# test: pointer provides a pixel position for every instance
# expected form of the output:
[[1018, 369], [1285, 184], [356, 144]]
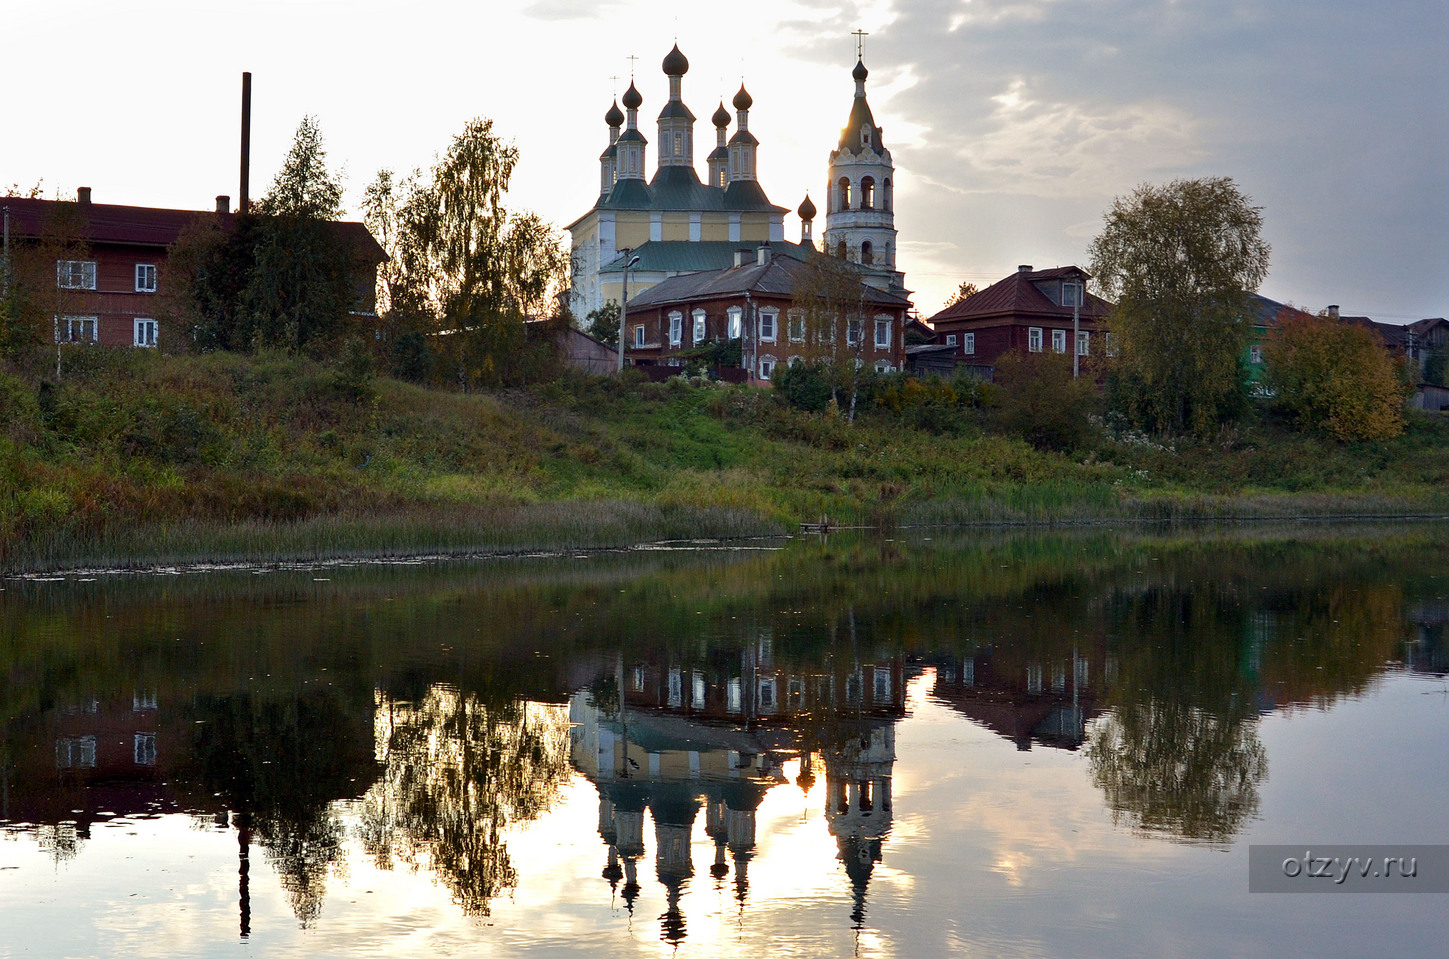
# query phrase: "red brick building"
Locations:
[[754, 302], [110, 264], [1029, 311]]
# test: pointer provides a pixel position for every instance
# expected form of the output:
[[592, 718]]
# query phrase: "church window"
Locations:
[[840, 250], [843, 196], [867, 253], [886, 198], [867, 193], [699, 329], [679, 144], [865, 135]]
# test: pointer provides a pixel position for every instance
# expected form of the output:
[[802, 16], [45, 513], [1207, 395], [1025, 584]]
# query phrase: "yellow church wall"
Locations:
[[714, 230], [630, 234], [676, 230]]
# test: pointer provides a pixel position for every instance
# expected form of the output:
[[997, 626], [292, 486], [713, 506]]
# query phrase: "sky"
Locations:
[[1013, 124]]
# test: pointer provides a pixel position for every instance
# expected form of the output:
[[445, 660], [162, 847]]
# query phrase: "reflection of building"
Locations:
[[694, 737], [1428, 650], [1045, 700]]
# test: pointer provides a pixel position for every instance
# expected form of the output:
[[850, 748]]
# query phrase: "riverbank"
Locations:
[[132, 457]]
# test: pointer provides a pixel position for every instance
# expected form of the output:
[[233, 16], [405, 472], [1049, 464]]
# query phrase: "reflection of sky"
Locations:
[[993, 852]]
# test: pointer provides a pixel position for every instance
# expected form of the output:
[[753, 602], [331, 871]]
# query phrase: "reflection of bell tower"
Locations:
[[858, 804], [674, 808], [742, 799], [621, 825]]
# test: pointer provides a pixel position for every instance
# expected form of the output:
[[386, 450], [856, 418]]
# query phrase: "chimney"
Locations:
[[244, 203], [762, 255], [1024, 268], [83, 195], [1333, 311], [740, 257], [223, 204]]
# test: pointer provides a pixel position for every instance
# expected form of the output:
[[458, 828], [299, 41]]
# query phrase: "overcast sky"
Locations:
[[1013, 123]]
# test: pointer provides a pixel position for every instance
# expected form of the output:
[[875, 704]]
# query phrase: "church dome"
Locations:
[[860, 72], [807, 209], [743, 100], [615, 116], [721, 116], [632, 97], [675, 64]]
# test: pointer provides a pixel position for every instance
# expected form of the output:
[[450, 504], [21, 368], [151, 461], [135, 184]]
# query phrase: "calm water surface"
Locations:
[[977, 745]]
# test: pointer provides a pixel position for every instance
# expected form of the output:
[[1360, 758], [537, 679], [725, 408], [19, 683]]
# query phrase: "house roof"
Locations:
[[144, 225], [777, 277], [1018, 295], [684, 256]]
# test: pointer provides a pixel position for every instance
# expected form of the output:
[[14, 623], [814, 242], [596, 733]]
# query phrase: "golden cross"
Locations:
[[860, 36]]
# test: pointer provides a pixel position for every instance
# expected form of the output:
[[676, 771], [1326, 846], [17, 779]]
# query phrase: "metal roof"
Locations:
[[777, 277]]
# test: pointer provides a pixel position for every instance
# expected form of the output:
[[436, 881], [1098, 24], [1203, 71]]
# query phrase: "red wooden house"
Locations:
[[110, 267], [1029, 311], [754, 302]]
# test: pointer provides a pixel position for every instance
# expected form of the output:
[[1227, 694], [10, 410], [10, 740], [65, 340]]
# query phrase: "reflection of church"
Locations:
[[682, 740]]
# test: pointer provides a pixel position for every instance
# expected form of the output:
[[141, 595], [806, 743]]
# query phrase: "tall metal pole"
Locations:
[[624, 306], [6, 278], [246, 143]]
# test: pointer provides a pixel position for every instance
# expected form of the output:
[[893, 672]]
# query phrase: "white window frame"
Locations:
[[73, 323], [145, 278], [639, 336], [676, 328], [700, 329], [736, 322], [1059, 341], [1033, 339], [75, 274], [968, 344], [883, 332], [769, 325], [75, 752], [951, 339], [144, 332], [767, 367], [143, 749], [882, 366], [1072, 294], [854, 330], [1111, 345], [796, 320], [1084, 343], [1255, 355]]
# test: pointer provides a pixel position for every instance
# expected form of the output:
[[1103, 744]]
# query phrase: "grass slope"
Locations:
[[136, 457]]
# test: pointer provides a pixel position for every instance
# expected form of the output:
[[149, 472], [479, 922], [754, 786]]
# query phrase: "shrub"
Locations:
[[803, 386], [1041, 402]]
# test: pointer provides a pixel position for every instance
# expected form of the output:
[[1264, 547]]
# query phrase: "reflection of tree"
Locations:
[[279, 763], [1168, 767], [458, 772], [1179, 753]]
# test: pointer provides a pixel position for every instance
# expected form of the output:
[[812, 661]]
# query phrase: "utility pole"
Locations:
[[624, 305], [5, 280]]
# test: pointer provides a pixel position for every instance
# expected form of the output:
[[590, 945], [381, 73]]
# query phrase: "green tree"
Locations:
[[1181, 261], [1041, 401], [963, 292], [462, 263], [300, 289], [830, 297], [1336, 378], [603, 323]]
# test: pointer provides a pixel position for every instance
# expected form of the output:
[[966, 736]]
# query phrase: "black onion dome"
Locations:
[[632, 97], [615, 116], [807, 209], [743, 100], [721, 116], [675, 63], [860, 72]]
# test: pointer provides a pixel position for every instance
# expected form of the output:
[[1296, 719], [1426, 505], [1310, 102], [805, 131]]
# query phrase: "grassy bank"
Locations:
[[136, 457]]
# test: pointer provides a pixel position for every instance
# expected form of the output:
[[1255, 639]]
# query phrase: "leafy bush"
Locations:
[[1335, 378], [1041, 401], [803, 386]]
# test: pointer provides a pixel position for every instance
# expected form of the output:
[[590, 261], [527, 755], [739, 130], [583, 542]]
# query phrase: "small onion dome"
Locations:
[[675, 64], [860, 72], [807, 209], [721, 116], [632, 98], [615, 116], [743, 100]]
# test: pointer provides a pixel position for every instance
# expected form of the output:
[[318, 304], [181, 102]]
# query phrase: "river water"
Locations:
[[970, 744]]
